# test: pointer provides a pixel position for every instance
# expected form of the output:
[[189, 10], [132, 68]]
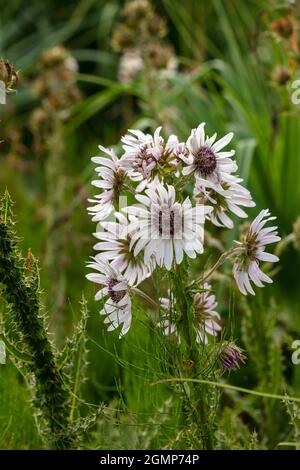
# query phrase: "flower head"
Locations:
[[251, 251], [206, 320], [224, 198], [166, 229], [115, 288], [8, 75], [112, 177], [206, 159], [167, 326], [115, 246], [147, 156], [231, 356]]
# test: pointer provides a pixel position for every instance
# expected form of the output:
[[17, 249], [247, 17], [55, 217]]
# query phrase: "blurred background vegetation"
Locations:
[[87, 73]]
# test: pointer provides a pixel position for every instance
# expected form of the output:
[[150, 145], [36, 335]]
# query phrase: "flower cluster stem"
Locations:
[[199, 403], [221, 260]]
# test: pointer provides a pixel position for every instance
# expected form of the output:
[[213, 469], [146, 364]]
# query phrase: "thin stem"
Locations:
[[284, 243], [145, 296], [198, 403], [231, 387], [225, 256]]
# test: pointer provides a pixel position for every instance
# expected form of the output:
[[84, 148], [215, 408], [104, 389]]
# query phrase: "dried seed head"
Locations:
[[283, 27], [159, 55], [54, 57], [157, 27], [136, 10], [123, 38]]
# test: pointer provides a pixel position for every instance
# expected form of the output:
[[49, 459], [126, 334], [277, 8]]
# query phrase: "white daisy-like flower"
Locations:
[[206, 158], [251, 251], [117, 307], [166, 229], [115, 246], [224, 198], [167, 326], [146, 155], [207, 320], [112, 177]]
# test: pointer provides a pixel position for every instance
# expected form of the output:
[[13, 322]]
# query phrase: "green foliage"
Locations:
[[50, 379], [87, 387]]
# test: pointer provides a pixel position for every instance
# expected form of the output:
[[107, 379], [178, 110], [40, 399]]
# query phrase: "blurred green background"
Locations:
[[231, 64]]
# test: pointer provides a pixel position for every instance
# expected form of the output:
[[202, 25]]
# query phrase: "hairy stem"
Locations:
[[21, 292]]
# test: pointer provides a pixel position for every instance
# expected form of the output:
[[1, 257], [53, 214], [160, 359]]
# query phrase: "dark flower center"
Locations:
[[116, 296], [205, 161]]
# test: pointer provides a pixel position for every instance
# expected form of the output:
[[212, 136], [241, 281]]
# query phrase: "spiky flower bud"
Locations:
[[231, 356]]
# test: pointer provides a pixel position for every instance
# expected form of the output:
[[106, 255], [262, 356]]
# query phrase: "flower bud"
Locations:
[[231, 356], [8, 75]]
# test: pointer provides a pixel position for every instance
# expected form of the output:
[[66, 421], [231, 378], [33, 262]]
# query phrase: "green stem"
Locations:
[[199, 405], [225, 256], [145, 296], [22, 295], [231, 387]]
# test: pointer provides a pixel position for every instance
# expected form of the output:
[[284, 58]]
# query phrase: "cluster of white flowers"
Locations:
[[162, 226]]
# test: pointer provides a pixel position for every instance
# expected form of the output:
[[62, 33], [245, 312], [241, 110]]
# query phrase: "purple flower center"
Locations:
[[205, 161], [116, 296]]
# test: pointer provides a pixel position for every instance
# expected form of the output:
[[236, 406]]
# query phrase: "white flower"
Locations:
[[167, 326], [206, 158], [207, 320], [115, 246], [111, 179], [115, 287], [224, 197], [167, 229], [251, 251], [146, 155]]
